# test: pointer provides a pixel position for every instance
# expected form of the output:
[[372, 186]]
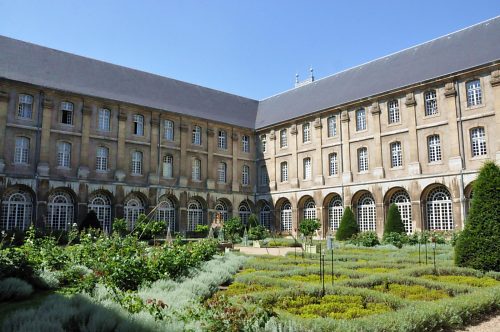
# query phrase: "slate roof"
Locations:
[[467, 48], [25, 62], [462, 50]]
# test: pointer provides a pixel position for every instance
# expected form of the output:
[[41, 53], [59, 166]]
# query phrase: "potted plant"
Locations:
[[307, 228]]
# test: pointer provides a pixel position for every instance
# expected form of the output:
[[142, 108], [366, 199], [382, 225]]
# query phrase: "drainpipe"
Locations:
[[41, 97], [461, 149]]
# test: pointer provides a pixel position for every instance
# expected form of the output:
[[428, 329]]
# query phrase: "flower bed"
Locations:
[[463, 280], [412, 292]]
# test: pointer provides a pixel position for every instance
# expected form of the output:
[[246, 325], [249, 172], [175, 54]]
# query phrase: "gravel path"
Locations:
[[267, 251], [491, 325]]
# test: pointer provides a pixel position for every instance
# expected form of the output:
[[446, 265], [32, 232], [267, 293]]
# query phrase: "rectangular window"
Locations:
[[474, 94], [138, 125], [283, 139], [137, 163], [25, 107], [478, 141], [169, 130], [396, 155], [363, 160], [434, 148], [393, 107], [101, 163], [307, 169], [245, 175], [222, 172], [284, 171], [263, 143], [168, 166], [332, 126], [306, 132], [430, 103], [196, 171], [245, 143], [21, 153], [196, 137], [104, 118], [67, 112], [333, 165], [360, 119], [222, 140], [63, 154]]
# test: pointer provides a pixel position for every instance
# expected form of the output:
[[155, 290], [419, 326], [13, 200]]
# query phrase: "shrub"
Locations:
[[478, 246], [14, 289], [366, 239], [14, 263], [412, 292], [307, 227], [148, 228], [233, 228], [258, 232], [394, 224], [120, 226], [348, 226], [396, 239]]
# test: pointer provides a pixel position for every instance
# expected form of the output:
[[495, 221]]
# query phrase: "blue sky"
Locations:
[[250, 48]]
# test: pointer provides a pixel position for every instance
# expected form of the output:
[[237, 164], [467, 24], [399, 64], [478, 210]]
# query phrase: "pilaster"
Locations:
[[271, 166], [495, 88], [236, 151], [83, 169], [121, 156], [294, 162], [451, 141], [184, 163], [4, 104], [414, 162], [378, 170], [153, 159], [319, 179], [211, 175], [43, 168], [346, 151]]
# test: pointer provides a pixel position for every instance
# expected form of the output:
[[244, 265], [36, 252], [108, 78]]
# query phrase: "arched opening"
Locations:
[[286, 217], [100, 203], [17, 206], [60, 208], [195, 214], [401, 198], [221, 209], [439, 209], [134, 206], [166, 212], [335, 212], [244, 212], [366, 212]]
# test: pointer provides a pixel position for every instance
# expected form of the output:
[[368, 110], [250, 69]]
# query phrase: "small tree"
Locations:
[[348, 226], [307, 227], [394, 224], [233, 229], [253, 221], [478, 246]]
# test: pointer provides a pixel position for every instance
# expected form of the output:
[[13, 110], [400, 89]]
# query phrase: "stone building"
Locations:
[[411, 128]]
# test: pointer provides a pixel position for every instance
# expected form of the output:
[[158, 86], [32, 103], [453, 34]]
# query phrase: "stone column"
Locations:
[[495, 84], [414, 164], [82, 202], [184, 163], [271, 165], [153, 157], [236, 170], [319, 179], [452, 141], [83, 169], [346, 151], [43, 165], [293, 167], [211, 169], [4, 103], [378, 169], [121, 156]]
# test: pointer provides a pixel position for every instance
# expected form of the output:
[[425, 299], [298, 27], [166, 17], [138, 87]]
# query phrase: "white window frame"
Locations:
[[478, 141], [284, 171], [244, 213], [136, 167], [396, 154], [64, 154], [67, 113], [222, 172], [104, 119], [132, 208], [366, 211], [434, 148], [22, 150], [245, 175], [439, 210], [60, 211], [474, 93], [307, 166], [101, 159], [263, 143], [265, 216], [431, 106], [222, 210], [196, 170], [403, 202], [138, 121], [195, 215], [169, 130], [335, 212], [310, 209], [393, 111], [168, 166], [283, 139], [333, 168], [196, 135], [306, 132], [363, 159], [101, 205], [286, 217], [17, 208], [360, 119], [332, 126], [25, 106], [245, 143], [166, 213], [222, 140]]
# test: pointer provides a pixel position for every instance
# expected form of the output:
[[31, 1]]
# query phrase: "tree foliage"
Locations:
[[307, 227], [478, 246], [394, 223], [348, 226], [233, 229]]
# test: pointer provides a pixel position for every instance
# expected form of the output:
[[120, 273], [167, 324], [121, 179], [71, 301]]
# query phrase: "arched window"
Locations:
[[67, 112], [63, 154], [403, 202], [335, 211], [101, 205], [284, 171], [195, 215], [16, 210], [434, 148], [25, 106], [221, 209], [430, 98], [396, 155], [360, 119], [60, 211], [196, 170], [478, 141], [393, 111], [474, 94], [245, 175], [138, 128], [307, 168], [196, 137], [168, 166], [132, 209], [221, 172], [286, 217], [265, 216], [137, 162], [362, 159], [104, 119], [439, 210], [310, 209], [306, 132], [166, 212], [366, 213], [333, 168], [244, 211], [22, 150], [101, 160]]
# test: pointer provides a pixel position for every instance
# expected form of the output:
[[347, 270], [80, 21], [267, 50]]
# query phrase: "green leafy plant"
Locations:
[[478, 245], [396, 239], [348, 226], [258, 232], [308, 227], [120, 226], [365, 239], [394, 223], [233, 229]]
